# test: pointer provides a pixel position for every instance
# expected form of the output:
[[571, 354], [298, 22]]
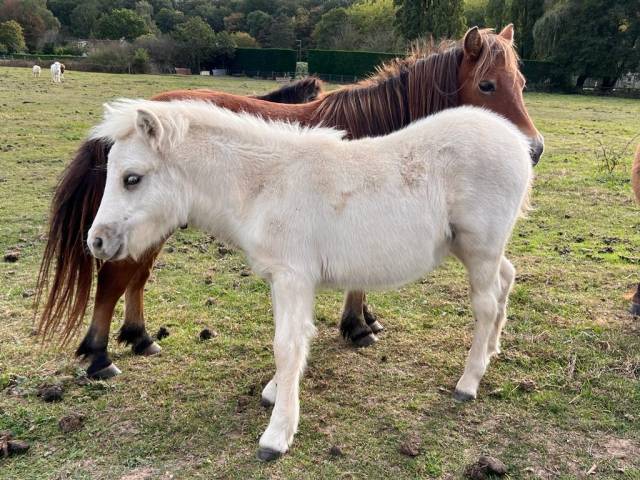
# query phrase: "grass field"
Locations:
[[562, 400]]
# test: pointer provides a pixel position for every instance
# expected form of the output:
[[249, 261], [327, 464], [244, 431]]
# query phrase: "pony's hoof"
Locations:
[[635, 309], [152, 349], [268, 454], [266, 402], [376, 326], [107, 372], [460, 396], [365, 341]]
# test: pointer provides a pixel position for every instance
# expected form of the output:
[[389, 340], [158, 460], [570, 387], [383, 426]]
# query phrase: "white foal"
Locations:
[[306, 207], [36, 71], [56, 72]]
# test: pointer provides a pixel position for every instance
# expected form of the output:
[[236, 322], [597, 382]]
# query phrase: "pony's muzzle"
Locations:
[[536, 148], [105, 242]]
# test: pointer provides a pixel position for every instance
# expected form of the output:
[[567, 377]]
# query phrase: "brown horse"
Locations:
[[302, 91], [480, 70], [635, 184]]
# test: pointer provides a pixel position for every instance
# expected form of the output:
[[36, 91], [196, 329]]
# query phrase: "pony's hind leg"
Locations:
[[358, 325], [293, 313], [507, 277], [133, 331], [112, 282]]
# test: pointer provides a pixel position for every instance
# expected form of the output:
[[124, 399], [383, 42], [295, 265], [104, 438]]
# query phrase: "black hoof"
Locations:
[[152, 349], [635, 309], [372, 321], [460, 396], [268, 454], [105, 373], [364, 341], [376, 326], [265, 402]]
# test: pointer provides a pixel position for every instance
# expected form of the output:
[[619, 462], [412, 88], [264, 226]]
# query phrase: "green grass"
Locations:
[[194, 411]]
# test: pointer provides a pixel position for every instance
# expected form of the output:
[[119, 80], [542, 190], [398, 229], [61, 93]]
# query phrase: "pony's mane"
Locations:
[[300, 91], [178, 116], [395, 96]]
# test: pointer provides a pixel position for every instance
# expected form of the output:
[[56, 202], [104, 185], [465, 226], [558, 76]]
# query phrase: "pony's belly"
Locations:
[[392, 268]]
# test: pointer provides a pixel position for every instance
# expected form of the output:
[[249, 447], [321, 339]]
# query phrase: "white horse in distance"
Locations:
[[35, 71], [307, 207], [57, 72]]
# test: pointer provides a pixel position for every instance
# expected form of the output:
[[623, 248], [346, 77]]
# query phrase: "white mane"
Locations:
[[178, 116]]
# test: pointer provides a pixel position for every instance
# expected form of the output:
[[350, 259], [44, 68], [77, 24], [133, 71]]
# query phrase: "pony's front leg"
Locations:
[[133, 331], [485, 292], [112, 282], [293, 313]]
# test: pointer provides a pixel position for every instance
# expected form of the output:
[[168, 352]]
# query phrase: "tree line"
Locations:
[[589, 38]]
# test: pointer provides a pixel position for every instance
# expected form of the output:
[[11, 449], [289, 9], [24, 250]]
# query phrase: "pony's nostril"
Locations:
[[97, 243]]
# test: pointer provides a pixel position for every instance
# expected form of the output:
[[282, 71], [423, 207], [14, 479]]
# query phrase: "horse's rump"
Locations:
[[635, 174]]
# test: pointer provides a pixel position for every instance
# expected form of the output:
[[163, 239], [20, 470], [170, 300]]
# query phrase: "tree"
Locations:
[[282, 34], [62, 9], [12, 37], [329, 27], [224, 48], [196, 39], [121, 23], [474, 12], [234, 22], [524, 15], [32, 15], [84, 18], [259, 25], [497, 14], [243, 39], [374, 23], [436, 18], [603, 45], [167, 19]]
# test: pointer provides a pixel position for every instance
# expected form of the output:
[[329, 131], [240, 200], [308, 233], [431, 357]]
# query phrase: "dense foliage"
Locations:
[[588, 38]]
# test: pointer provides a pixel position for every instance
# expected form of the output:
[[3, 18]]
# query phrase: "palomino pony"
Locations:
[[305, 206], [480, 70]]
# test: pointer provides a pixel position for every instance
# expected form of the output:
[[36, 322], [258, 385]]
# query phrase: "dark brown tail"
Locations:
[[75, 204], [300, 91]]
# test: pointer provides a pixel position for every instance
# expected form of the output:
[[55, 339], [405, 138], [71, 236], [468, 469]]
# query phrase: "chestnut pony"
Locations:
[[480, 70]]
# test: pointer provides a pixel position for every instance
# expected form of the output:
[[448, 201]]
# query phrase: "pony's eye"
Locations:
[[487, 86], [131, 181]]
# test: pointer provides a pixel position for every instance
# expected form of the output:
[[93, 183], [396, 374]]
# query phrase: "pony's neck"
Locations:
[[403, 92], [227, 168]]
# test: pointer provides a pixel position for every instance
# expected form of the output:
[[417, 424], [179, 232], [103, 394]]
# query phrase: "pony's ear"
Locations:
[[149, 126], [472, 43], [507, 33]]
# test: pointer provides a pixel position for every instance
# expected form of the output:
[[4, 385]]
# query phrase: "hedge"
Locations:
[[43, 56], [254, 60], [545, 74], [340, 62]]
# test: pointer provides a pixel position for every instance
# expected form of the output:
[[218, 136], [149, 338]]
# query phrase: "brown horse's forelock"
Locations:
[[300, 91], [74, 206], [401, 92]]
